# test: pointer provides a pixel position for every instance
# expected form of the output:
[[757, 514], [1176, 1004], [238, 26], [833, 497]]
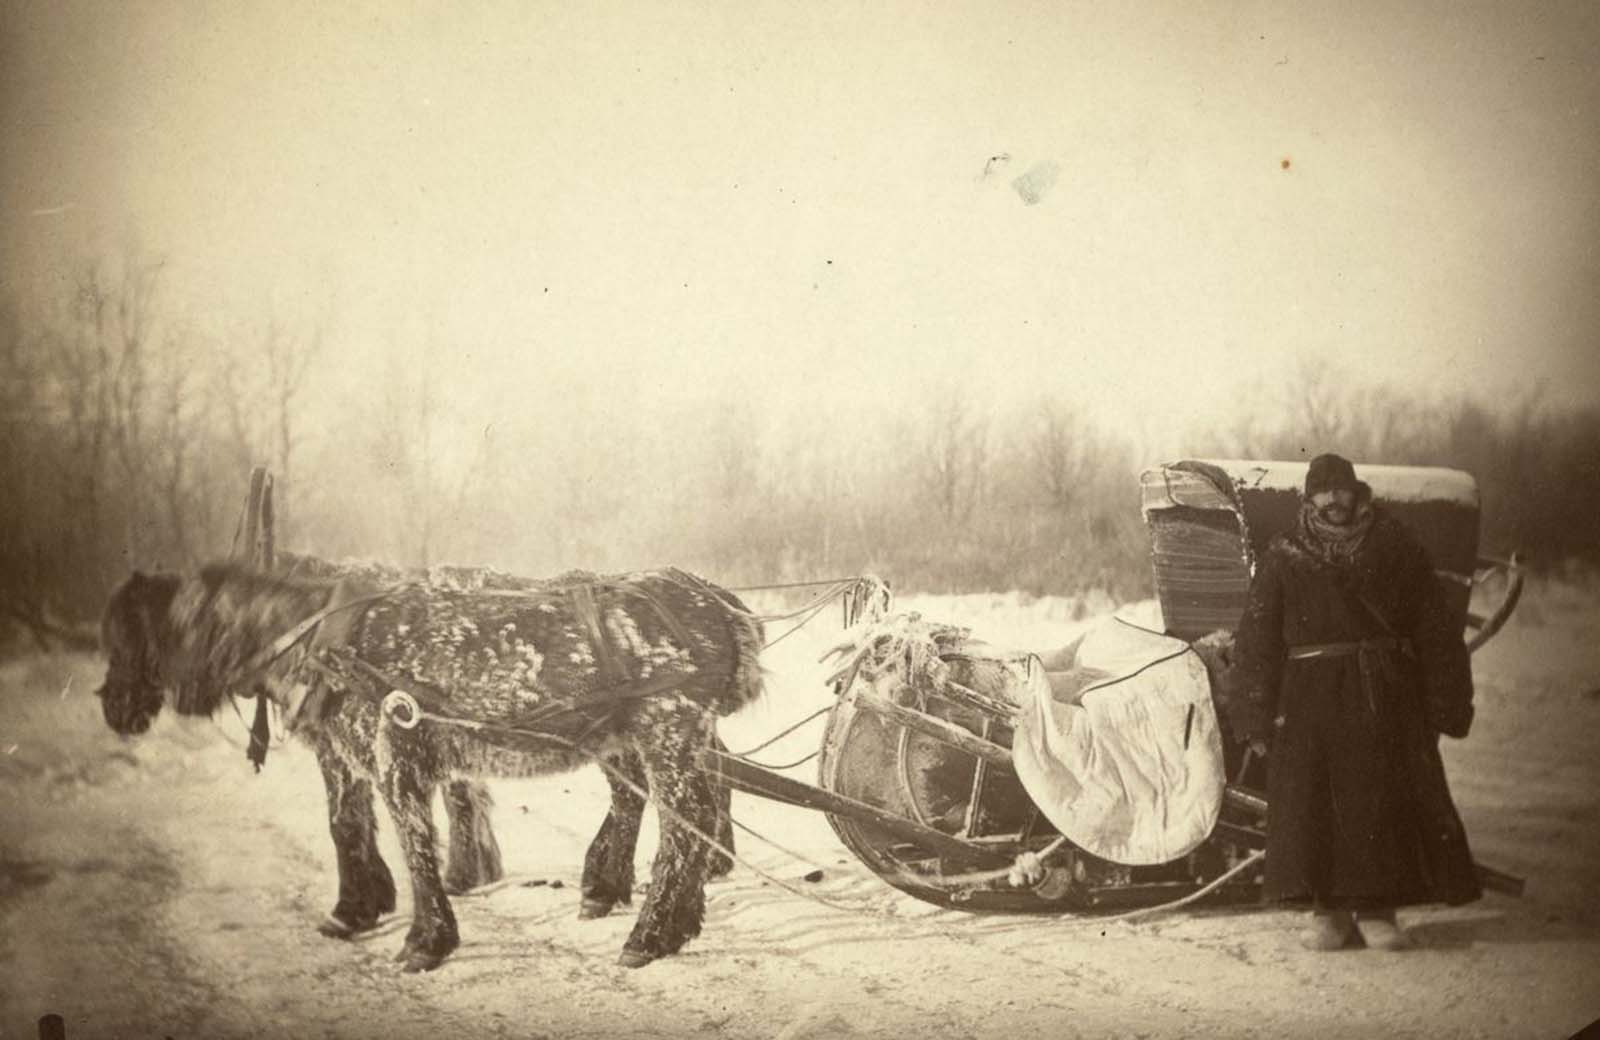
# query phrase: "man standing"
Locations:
[[1350, 666]]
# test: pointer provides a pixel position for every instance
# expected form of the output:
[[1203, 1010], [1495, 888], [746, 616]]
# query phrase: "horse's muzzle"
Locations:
[[128, 720]]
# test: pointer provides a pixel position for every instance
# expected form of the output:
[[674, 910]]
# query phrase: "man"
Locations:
[[1350, 665]]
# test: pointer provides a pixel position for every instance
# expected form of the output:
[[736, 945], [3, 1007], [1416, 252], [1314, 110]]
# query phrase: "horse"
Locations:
[[630, 671], [366, 888]]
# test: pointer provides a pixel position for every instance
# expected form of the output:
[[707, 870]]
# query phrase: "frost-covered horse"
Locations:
[[546, 679], [366, 888]]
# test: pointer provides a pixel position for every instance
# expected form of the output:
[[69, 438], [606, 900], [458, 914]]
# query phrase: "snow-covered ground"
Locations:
[[155, 887]]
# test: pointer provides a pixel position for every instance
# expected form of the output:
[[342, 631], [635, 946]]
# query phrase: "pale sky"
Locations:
[[635, 203]]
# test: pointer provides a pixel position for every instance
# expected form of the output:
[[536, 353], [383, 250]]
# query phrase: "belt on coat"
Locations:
[[1373, 655], [1305, 650]]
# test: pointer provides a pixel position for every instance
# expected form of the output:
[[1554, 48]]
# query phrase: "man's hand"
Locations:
[[1258, 747]]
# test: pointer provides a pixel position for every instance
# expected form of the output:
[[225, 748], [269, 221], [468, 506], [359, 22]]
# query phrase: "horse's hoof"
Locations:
[[590, 909], [337, 928], [419, 961], [635, 958]]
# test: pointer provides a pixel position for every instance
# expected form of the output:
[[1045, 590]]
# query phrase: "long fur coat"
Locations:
[[1360, 815]]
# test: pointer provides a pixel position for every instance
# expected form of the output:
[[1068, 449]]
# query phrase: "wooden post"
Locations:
[[52, 1027], [265, 557], [249, 532], [255, 542]]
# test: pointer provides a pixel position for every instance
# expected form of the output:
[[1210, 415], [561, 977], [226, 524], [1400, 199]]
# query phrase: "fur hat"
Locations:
[[1332, 473]]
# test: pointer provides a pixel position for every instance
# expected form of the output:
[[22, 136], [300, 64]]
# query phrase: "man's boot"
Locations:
[[1380, 931], [1329, 930]]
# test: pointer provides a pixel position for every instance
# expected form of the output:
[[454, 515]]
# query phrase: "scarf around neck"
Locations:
[[1335, 543]]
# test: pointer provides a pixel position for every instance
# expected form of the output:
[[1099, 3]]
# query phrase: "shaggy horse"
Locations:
[[366, 888], [539, 680]]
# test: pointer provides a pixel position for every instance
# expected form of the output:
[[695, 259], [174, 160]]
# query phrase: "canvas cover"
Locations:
[[1119, 745]]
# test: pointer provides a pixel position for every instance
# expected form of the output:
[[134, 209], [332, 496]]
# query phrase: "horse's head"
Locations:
[[221, 622], [211, 619], [136, 637]]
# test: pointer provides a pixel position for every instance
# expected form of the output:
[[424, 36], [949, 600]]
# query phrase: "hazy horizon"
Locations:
[[645, 205]]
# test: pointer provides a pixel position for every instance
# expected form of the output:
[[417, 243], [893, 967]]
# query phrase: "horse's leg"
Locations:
[[366, 888], [673, 911], [720, 864], [408, 791], [474, 854], [608, 865]]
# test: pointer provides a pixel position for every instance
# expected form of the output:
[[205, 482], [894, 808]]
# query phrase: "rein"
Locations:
[[248, 673], [268, 656]]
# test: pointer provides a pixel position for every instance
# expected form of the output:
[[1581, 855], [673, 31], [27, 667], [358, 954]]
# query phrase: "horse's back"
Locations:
[[507, 654]]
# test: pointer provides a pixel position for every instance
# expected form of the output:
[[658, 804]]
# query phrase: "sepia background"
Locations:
[[778, 292], [774, 292]]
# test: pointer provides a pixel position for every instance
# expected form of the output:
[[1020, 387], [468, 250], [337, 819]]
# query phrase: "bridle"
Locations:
[[254, 670]]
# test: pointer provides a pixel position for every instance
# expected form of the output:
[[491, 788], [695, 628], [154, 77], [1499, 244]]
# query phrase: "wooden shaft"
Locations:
[[952, 690], [938, 729], [1249, 800], [763, 783], [1499, 881]]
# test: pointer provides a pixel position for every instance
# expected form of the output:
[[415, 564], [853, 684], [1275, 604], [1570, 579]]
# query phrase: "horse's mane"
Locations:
[[224, 616]]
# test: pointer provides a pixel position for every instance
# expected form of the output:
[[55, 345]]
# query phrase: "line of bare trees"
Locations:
[[1537, 467], [123, 429], [127, 434]]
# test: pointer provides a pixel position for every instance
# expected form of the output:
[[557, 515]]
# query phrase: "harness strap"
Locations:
[[603, 700], [284, 643], [253, 670], [584, 605], [667, 617]]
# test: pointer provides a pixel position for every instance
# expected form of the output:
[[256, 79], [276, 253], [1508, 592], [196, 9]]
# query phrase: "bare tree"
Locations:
[[1060, 447], [953, 450], [289, 363], [1317, 409], [179, 420], [261, 388], [429, 484], [100, 377]]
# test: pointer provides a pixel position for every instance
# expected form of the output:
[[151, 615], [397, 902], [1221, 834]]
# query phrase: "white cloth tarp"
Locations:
[[1124, 754]]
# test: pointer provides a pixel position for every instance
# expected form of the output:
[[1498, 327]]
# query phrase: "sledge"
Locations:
[[938, 745]]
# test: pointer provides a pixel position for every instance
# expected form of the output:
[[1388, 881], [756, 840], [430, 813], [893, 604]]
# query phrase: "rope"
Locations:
[[757, 835], [1238, 868], [980, 876], [773, 740], [418, 714], [794, 585], [812, 608], [801, 624], [787, 765], [665, 810]]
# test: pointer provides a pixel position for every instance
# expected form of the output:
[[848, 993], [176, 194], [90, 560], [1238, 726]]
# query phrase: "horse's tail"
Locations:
[[749, 637], [746, 637]]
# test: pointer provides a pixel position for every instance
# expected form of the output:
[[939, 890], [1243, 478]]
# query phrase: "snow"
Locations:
[[157, 887]]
